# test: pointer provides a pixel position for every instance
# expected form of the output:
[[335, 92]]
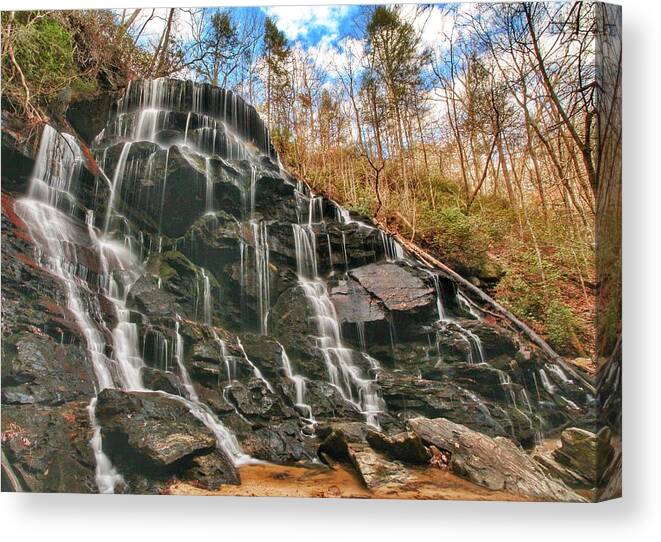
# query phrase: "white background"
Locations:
[[635, 517]]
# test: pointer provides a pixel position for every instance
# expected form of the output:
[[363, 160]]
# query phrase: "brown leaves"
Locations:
[[440, 458]]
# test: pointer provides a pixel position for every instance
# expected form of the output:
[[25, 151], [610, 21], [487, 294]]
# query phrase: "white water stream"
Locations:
[[342, 371], [63, 244]]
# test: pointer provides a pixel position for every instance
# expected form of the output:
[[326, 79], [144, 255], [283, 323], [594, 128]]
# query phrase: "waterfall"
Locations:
[[222, 348], [475, 350], [102, 261], [546, 382], [256, 371], [299, 385], [206, 297], [262, 270], [49, 212], [253, 189], [106, 476], [343, 373], [208, 186], [179, 360], [117, 178], [218, 120], [160, 347], [391, 248]]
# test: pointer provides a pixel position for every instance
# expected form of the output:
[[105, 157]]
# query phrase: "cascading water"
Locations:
[[262, 270], [340, 366], [475, 352], [299, 384], [56, 234], [58, 222], [233, 264], [256, 371], [179, 360]]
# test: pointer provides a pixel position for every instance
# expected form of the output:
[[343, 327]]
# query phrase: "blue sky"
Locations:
[[312, 24]]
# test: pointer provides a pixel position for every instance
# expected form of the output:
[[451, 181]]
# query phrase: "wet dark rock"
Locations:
[[147, 297], [354, 304], [397, 287], [280, 441], [265, 353], [292, 323], [158, 380], [209, 373], [270, 191], [36, 369], [156, 196], [89, 115], [157, 428], [482, 378], [328, 403], [407, 397], [17, 162], [253, 399], [338, 436], [495, 463], [452, 345], [48, 447], [495, 341], [212, 470]]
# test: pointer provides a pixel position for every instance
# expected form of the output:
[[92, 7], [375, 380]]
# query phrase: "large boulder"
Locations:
[[496, 463], [158, 380], [254, 399], [397, 287], [375, 470], [37, 369], [158, 428], [354, 304], [89, 115], [338, 436], [408, 396]]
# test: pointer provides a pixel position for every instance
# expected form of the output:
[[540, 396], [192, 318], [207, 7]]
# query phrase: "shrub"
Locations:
[[462, 240], [560, 325]]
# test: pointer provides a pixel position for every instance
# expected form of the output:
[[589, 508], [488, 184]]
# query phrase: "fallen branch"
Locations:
[[497, 307]]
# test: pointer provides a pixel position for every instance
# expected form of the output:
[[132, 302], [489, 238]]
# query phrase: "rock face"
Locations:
[[496, 463], [224, 283], [398, 288], [354, 304]]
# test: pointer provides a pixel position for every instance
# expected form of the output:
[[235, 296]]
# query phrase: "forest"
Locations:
[[470, 131]]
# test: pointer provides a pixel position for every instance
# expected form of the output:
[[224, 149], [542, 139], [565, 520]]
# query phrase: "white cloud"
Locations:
[[297, 21], [433, 25]]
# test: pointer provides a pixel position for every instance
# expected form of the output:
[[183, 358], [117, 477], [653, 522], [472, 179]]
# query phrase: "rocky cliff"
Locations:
[[175, 305]]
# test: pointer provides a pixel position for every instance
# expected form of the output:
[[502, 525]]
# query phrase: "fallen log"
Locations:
[[474, 291]]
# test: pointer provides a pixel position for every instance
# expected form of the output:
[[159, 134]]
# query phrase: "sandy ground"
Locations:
[[268, 480]]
